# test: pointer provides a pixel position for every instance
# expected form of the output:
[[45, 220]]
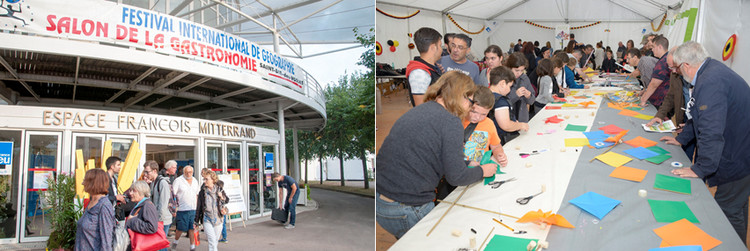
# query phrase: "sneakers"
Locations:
[[289, 226], [224, 241]]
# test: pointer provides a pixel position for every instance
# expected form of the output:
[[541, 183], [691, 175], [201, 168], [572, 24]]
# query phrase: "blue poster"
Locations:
[[6, 158], [269, 161]]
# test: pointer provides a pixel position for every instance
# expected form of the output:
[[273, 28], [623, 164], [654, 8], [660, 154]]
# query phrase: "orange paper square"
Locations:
[[614, 106], [629, 173], [641, 141], [683, 233], [630, 113]]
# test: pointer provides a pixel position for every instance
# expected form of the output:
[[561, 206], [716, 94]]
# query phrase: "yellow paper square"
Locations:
[[614, 159], [570, 105], [576, 142], [643, 116]]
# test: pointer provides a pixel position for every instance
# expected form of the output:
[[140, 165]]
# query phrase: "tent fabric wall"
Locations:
[[722, 19]]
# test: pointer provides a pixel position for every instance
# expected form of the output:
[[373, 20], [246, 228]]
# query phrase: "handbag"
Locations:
[[121, 240], [148, 242]]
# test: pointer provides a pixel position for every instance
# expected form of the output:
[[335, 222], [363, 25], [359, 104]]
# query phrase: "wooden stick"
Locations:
[[481, 209], [485, 238], [506, 226], [449, 209]]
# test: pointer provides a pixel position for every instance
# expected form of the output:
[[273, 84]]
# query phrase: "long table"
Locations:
[[566, 173]]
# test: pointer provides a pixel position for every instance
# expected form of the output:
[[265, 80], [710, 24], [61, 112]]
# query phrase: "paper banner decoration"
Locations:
[[462, 28], [613, 159], [397, 17], [378, 49], [729, 47], [538, 217], [671, 211], [672, 184], [641, 142], [641, 153], [559, 99], [392, 48], [595, 204], [629, 173], [611, 129], [683, 232]]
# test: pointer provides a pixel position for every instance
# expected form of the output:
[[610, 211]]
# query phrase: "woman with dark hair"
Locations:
[[549, 45], [493, 57], [521, 95], [528, 51], [571, 46], [608, 65], [630, 45], [425, 144], [547, 70], [96, 225]]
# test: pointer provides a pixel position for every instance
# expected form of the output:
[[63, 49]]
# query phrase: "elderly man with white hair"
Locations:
[[186, 189], [718, 119]]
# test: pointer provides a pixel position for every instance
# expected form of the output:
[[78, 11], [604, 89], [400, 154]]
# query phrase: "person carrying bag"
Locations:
[[145, 230]]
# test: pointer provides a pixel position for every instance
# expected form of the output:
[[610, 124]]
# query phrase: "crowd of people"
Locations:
[[156, 201], [438, 144]]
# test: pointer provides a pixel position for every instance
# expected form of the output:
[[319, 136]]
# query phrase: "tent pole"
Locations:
[[701, 21]]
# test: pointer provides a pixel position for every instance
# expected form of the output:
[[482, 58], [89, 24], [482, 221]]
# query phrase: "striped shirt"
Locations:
[[646, 67]]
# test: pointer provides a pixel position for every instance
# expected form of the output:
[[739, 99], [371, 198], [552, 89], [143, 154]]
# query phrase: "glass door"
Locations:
[[234, 158], [91, 146], [214, 157], [42, 162], [10, 171], [255, 175], [270, 190]]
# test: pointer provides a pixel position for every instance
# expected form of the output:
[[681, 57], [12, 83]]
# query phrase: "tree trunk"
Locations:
[[321, 170], [305, 171], [341, 166], [364, 170]]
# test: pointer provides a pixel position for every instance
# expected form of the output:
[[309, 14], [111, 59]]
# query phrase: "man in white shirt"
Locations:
[[186, 190]]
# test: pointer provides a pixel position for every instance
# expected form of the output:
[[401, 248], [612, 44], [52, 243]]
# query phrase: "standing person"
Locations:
[[144, 218], [424, 145], [422, 71], [457, 61], [645, 65], [537, 50], [161, 193], [292, 194], [518, 46], [95, 227], [659, 85], [169, 171], [543, 53], [520, 96], [547, 70], [186, 189], [599, 55], [210, 209], [113, 164], [446, 42], [621, 50], [717, 119], [528, 52], [493, 57], [223, 238]]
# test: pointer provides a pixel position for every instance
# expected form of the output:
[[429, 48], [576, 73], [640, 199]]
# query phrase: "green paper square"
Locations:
[[658, 150], [487, 180], [577, 128], [658, 159], [558, 102], [674, 184], [634, 108], [671, 211], [502, 242]]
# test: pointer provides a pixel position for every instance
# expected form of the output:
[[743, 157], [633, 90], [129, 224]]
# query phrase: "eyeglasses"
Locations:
[[674, 69], [471, 101], [457, 47]]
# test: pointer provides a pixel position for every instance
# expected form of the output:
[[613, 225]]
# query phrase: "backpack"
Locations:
[[174, 202]]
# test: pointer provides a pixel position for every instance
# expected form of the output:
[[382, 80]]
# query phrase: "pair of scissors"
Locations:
[[496, 184], [525, 200]]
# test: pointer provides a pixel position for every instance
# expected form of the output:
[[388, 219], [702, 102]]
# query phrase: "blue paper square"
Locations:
[[641, 153], [600, 143], [595, 204], [679, 248], [596, 135]]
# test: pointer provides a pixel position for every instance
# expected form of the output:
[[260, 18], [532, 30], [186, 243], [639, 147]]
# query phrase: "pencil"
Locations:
[[506, 226]]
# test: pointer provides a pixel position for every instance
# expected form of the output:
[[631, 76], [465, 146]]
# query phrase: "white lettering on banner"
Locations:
[[93, 20]]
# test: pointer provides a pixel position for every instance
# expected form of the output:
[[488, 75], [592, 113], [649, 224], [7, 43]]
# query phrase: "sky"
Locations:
[[329, 67]]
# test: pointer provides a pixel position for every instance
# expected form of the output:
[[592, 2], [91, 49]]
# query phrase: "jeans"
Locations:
[[732, 198], [292, 207], [166, 232], [224, 230], [398, 218], [212, 233]]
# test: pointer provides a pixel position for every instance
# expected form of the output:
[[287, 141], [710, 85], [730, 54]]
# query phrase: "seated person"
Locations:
[[608, 65], [569, 78], [501, 80], [481, 132]]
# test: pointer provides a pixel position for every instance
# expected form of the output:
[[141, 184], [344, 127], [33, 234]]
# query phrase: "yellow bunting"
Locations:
[[462, 28], [664, 18], [397, 17]]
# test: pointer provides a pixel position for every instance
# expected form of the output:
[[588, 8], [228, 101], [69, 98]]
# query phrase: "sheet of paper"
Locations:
[[587, 103], [658, 159], [671, 211], [629, 173], [596, 204], [502, 242], [683, 232], [613, 159], [634, 108], [600, 143], [667, 126], [596, 135], [549, 107], [611, 129], [614, 106], [628, 113], [658, 150], [679, 248], [643, 116], [569, 105], [576, 142], [673, 184], [641, 153], [577, 128], [553, 119], [641, 141]]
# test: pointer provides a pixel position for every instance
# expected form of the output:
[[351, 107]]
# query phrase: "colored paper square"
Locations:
[[549, 107], [629, 113], [614, 106], [629, 173], [611, 129], [658, 159], [679, 248], [658, 150], [641, 142], [643, 116], [576, 142], [641, 153], [614, 159], [595, 135], [502, 242], [570, 105], [673, 184], [553, 119], [577, 128], [683, 232], [634, 108], [587, 103], [596, 204], [600, 143], [671, 211]]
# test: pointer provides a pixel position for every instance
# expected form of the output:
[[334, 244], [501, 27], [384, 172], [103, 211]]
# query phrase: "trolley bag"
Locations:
[[279, 215]]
